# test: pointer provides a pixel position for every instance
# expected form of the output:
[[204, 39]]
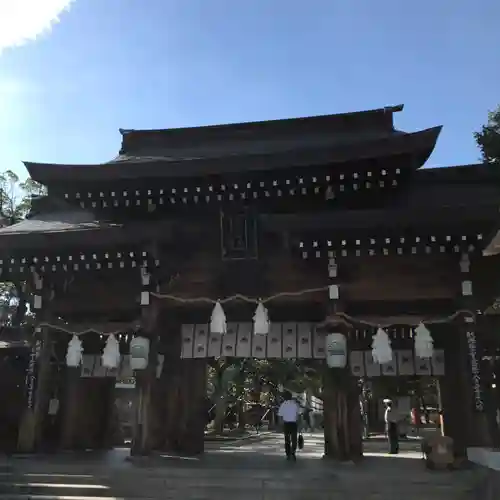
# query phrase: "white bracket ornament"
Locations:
[[465, 263], [332, 268], [37, 280], [145, 276]]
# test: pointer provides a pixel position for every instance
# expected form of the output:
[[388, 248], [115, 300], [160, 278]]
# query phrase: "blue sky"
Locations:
[[169, 63]]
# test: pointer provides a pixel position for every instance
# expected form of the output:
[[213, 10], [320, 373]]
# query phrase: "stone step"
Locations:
[[296, 481], [58, 497], [217, 494], [61, 489], [218, 489]]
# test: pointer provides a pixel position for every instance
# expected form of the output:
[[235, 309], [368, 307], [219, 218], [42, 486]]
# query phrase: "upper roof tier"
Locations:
[[254, 146]]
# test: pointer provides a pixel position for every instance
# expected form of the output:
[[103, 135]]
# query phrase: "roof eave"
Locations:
[[421, 144], [493, 247], [102, 236]]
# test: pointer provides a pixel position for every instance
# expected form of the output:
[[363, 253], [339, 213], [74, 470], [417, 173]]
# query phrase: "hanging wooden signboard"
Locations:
[[30, 381]]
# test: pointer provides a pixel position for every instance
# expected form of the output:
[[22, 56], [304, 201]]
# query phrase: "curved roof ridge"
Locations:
[[223, 126]]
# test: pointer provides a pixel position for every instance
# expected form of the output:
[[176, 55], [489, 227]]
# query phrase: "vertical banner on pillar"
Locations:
[[475, 366], [31, 379]]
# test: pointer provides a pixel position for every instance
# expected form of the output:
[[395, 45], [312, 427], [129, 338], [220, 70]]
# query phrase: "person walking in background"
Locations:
[[306, 417], [289, 412], [391, 426]]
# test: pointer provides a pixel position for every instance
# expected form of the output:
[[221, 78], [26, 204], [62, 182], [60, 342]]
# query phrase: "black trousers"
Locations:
[[393, 437], [290, 429]]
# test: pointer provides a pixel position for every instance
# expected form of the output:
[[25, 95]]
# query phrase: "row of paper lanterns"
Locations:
[[381, 343]]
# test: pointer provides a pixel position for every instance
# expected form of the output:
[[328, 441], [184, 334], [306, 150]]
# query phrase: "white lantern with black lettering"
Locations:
[[336, 350], [139, 353]]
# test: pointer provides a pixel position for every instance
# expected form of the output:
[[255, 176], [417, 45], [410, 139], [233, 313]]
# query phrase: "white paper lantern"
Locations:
[[381, 347], [336, 350], [139, 353], [424, 345], [74, 352]]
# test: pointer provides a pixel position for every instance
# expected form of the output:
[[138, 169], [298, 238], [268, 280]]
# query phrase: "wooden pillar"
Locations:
[[38, 377], [171, 386], [71, 407], [488, 378], [183, 387], [469, 356], [192, 418], [453, 400], [142, 441], [37, 398], [342, 416]]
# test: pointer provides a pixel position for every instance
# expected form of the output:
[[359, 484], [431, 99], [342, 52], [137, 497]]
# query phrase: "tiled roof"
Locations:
[[158, 149], [212, 159], [57, 223], [75, 220]]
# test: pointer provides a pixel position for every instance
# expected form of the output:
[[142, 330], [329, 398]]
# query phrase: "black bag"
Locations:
[[300, 442]]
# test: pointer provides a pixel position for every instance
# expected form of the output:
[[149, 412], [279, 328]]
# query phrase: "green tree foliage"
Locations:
[[488, 138], [234, 381], [15, 203]]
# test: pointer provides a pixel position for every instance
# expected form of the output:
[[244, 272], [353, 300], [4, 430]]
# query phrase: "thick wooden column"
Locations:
[[142, 441], [38, 378], [170, 388], [71, 407], [143, 438], [192, 419], [183, 387], [342, 416], [453, 400], [37, 398], [469, 354]]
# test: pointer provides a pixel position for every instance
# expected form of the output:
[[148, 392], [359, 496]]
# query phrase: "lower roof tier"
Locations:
[[334, 152], [459, 199]]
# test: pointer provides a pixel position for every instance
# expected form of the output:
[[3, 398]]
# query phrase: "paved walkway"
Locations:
[[255, 469]]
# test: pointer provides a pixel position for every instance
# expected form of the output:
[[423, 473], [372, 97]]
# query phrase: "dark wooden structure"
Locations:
[[257, 209]]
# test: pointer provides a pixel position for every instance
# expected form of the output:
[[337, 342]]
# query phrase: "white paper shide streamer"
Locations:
[[74, 352], [381, 347], [261, 323], [218, 320], [424, 345], [111, 353]]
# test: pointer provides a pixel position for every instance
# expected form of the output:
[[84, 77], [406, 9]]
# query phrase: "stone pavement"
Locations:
[[236, 471]]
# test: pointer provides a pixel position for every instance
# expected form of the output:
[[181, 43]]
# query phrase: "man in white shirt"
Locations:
[[289, 412], [391, 425]]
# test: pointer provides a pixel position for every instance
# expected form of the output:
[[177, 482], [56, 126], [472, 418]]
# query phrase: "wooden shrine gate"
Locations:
[[320, 217]]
